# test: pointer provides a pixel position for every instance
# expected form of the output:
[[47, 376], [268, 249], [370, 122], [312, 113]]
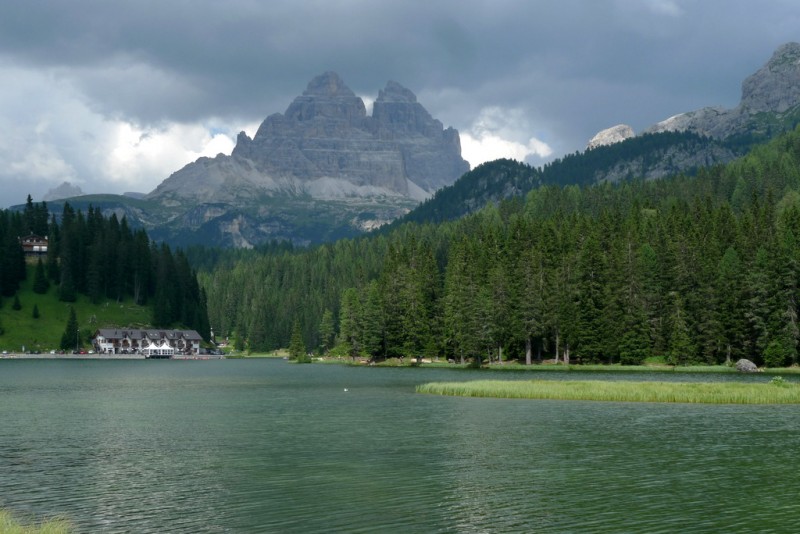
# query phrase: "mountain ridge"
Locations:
[[326, 146]]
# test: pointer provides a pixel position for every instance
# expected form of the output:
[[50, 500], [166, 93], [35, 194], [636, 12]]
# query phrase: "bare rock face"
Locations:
[[770, 99], [776, 86], [325, 146], [612, 135]]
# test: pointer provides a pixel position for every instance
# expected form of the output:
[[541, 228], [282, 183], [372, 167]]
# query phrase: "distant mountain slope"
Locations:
[[651, 155]]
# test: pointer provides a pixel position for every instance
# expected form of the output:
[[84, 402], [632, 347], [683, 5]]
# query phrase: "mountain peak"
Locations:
[[775, 86], [328, 84], [323, 149], [394, 92], [609, 136], [65, 190]]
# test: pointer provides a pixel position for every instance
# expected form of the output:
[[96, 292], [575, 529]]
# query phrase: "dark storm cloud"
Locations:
[[181, 60], [564, 68]]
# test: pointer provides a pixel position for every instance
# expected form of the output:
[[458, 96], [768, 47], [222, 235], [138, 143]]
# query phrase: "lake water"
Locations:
[[267, 446]]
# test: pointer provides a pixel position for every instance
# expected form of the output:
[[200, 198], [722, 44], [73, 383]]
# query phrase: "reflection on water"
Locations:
[[266, 446]]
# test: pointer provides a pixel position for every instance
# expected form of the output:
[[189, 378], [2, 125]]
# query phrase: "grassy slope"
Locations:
[[45, 332]]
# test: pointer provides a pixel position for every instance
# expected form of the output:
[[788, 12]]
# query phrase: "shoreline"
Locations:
[[22, 356]]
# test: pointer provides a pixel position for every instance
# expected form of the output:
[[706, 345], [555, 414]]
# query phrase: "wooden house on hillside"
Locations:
[[33, 245]]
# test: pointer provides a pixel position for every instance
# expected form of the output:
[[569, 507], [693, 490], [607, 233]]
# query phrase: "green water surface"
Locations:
[[268, 446]]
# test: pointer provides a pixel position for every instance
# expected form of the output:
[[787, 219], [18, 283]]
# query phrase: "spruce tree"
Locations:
[[326, 331], [297, 348], [71, 336], [590, 301], [372, 321], [35, 311], [350, 321], [681, 350], [17, 305], [40, 282]]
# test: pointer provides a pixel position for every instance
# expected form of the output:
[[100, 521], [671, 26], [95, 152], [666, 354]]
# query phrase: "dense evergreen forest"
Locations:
[[495, 180], [699, 269], [103, 259]]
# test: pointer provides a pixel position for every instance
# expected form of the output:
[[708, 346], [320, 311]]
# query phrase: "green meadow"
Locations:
[[775, 391], [44, 334]]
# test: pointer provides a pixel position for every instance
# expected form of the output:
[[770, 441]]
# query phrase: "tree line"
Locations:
[[694, 270], [104, 259]]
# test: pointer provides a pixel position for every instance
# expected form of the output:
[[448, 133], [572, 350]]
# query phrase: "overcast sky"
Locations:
[[115, 96]]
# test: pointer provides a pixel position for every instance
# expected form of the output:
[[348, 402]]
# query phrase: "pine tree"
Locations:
[[67, 290], [757, 305], [326, 331], [681, 350], [71, 336], [17, 305], [40, 282], [350, 321], [635, 344], [730, 308], [372, 321], [297, 348], [35, 311], [590, 302]]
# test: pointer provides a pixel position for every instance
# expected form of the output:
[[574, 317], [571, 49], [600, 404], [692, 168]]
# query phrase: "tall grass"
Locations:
[[10, 525], [612, 368], [622, 391]]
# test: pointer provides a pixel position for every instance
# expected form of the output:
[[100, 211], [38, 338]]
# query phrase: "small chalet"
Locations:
[[149, 343], [34, 245]]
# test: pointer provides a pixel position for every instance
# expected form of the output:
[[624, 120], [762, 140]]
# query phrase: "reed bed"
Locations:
[[11, 525], [623, 391]]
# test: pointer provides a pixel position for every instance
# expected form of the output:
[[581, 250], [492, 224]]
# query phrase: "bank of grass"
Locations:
[[775, 391], [11, 525], [611, 368]]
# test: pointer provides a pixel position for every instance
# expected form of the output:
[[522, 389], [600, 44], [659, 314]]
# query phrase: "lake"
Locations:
[[268, 446]]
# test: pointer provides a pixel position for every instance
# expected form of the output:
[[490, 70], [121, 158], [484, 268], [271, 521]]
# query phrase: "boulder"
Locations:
[[746, 366]]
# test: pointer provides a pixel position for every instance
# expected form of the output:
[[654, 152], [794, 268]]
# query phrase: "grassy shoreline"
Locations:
[[11, 525], [774, 392], [515, 366]]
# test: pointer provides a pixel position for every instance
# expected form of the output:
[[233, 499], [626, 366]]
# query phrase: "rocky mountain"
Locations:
[[770, 100], [65, 190], [323, 159], [770, 104], [609, 136]]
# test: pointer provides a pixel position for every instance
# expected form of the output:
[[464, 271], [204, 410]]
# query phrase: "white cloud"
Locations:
[[51, 135], [501, 133], [140, 158]]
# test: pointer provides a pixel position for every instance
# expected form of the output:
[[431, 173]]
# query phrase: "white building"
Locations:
[[150, 343]]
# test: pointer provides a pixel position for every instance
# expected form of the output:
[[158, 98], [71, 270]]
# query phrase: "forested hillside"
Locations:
[[103, 259], [695, 269], [649, 155]]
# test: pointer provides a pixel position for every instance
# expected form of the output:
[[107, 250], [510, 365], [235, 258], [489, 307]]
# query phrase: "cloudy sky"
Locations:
[[115, 96]]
